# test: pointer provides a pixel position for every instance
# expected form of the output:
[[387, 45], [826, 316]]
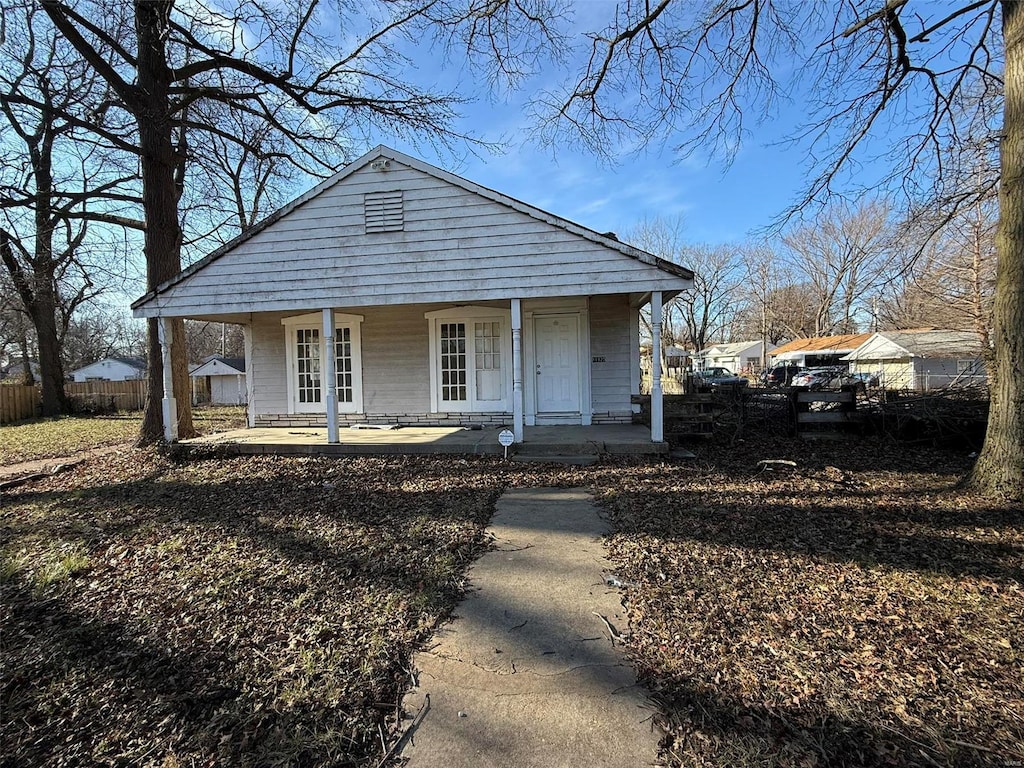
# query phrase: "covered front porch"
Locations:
[[563, 440]]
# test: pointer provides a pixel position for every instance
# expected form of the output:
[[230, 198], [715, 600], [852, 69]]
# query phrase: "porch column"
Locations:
[[517, 369], [170, 406], [329, 380], [250, 379], [657, 406]]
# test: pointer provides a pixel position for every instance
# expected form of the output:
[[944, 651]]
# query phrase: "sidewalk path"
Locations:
[[527, 674], [14, 473]]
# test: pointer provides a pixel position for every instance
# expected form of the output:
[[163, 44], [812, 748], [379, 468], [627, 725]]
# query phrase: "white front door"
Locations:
[[558, 363]]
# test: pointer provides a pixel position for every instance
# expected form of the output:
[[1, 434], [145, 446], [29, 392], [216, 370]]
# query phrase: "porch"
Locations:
[[564, 440]]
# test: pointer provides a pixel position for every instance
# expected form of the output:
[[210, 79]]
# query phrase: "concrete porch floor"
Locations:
[[612, 439]]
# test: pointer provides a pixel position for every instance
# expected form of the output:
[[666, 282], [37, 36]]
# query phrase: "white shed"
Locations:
[[225, 377], [921, 359], [738, 356], [426, 299], [111, 369]]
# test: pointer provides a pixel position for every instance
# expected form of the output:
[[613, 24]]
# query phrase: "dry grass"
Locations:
[[64, 436], [68, 435]]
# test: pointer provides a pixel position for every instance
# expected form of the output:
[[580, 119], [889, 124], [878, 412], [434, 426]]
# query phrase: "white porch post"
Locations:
[[517, 369], [330, 378], [170, 406], [657, 405], [250, 379]]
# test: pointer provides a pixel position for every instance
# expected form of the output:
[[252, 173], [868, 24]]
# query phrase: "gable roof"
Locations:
[[844, 343], [215, 365], [382, 169], [732, 348], [136, 363], [923, 343]]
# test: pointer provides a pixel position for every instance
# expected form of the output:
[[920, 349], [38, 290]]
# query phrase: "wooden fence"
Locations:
[[823, 409], [19, 402]]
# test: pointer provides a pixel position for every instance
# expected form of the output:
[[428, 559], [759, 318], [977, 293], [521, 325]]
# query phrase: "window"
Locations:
[[967, 367], [306, 354], [469, 355]]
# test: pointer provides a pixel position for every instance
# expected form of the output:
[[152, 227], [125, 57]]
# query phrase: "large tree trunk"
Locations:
[[1000, 467], [51, 371], [160, 202]]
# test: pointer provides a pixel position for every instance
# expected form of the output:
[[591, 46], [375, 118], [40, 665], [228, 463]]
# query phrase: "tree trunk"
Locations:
[[1000, 467], [27, 377], [160, 202], [51, 371]]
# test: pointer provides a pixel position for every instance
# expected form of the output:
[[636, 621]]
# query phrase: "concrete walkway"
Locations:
[[527, 675]]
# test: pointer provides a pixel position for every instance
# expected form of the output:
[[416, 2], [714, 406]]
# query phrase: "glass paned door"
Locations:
[[453, 362], [344, 362], [487, 360], [307, 365]]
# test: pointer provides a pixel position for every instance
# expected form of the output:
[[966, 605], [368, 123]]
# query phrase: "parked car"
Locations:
[[865, 380], [823, 378], [718, 377], [780, 375]]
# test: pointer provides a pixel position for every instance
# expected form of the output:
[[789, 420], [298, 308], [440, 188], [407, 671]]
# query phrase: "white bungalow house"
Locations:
[[111, 369], [920, 359], [426, 299], [225, 379], [738, 357]]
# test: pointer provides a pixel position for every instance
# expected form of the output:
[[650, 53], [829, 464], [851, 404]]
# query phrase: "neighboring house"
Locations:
[[111, 369], [15, 370], [426, 299], [738, 357], [920, 359], [818, 351], [225, 378]]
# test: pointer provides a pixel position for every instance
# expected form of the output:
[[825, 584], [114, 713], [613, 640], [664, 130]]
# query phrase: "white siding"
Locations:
[[227, 389], [456, 246], [610, 339], [396, 368], [269, 365], [107, 370]]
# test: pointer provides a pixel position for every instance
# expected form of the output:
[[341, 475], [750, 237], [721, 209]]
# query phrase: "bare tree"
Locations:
[[702, 314], [912, 77], [51, 178], [844, 256], [169, 64], [765, 312], [951, 285]]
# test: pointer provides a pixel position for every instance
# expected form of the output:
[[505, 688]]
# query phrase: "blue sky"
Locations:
[[718, 203]]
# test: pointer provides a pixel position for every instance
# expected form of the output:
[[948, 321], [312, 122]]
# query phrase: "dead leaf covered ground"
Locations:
[[856, 609], [228, 611]]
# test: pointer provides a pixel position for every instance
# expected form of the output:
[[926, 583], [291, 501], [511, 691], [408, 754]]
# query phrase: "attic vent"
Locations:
[[383, 211]]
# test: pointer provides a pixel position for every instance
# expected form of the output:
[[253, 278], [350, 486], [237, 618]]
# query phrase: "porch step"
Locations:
[[584, 460], [554, 448]]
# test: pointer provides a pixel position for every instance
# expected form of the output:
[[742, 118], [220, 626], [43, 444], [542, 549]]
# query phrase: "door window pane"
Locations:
[[307, 359], [343, 361], [487, 360], [453, 362]]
